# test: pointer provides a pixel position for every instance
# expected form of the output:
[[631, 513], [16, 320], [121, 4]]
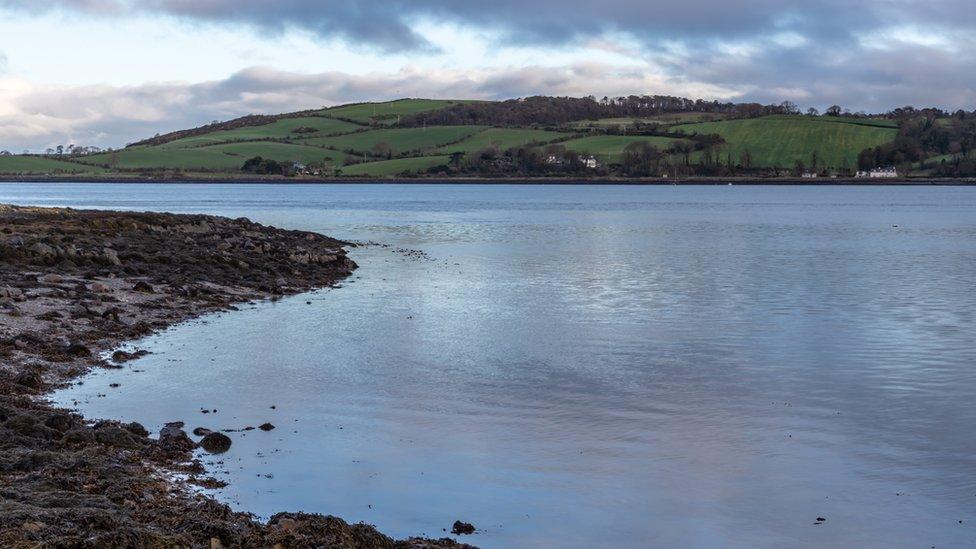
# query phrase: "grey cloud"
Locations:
[[387, 24]]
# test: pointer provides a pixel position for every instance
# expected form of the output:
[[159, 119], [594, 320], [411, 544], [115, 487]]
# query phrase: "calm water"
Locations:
[[585, 366]]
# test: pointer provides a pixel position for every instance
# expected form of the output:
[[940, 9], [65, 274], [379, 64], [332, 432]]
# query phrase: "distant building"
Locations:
[[879, 173], [554, 160], [590, 161], [809, 175]]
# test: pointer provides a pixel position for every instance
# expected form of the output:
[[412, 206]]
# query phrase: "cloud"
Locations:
[[389, 24]]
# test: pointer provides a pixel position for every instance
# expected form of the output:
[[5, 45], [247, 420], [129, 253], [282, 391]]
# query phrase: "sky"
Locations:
[[109, 72]]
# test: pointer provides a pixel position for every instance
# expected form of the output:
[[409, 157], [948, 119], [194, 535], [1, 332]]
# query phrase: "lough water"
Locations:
[[585, 366]]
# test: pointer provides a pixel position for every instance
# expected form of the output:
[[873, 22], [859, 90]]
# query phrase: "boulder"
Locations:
[[50, 278], [216, 443], [173, 438]]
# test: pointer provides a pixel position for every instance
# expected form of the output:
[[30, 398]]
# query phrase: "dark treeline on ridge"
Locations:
[[544, 110]]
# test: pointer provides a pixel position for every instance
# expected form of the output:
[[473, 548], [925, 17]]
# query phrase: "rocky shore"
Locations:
[[74, 285]]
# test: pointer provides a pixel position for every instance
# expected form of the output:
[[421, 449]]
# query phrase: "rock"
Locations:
[[50, 278], [113, 435], [462, 528], [201, 431], [77, 349], [137, 429], [143, 287], [173, 438], [216, 443], [12, 293], [266, 427], [41, 248], [110, 255], [50, 316], [125, 356], [60, 422], [99, 288], [29, 379]]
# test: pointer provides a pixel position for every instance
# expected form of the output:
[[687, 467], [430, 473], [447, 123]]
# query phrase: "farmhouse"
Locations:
[[590, 161], [879, 173]]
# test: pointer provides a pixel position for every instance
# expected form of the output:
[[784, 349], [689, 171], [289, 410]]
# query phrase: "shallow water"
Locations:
[[584, 366]]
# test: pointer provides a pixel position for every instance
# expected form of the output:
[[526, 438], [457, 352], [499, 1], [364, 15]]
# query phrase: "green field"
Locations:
[[610, 148], [401, 140], [40, 165], [387, 113], [229, 156], [284, 128], [783, 140], [387, 168], [503, 138]]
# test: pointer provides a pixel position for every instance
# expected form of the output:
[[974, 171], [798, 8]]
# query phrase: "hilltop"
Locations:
[[653, 136]]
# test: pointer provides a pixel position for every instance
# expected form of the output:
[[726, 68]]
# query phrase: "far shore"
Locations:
[[658, 181]]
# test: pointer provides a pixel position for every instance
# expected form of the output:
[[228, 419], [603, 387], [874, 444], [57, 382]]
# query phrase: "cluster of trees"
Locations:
[[553, 111], [925, 136], [72, 150], [264, 166]]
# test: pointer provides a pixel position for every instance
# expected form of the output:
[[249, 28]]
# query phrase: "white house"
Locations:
[[589, 161], [809, 175], [879, 173]]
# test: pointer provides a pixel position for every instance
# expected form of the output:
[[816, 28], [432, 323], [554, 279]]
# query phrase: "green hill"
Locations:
[[396, 137], [40, 165], [400, 140], [783, 140], [610, 148], [386, 113], [504, 138]]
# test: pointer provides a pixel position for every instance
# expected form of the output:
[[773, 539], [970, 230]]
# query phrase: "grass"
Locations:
[[225, 157], [387, 113], [783, 140], [503, 138], [401, 140], [387, 168], [281, 129], [610, 148], [40, 165]]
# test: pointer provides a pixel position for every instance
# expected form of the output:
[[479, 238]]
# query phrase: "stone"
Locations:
[[143, 287], [173, 438], [12, 293], [50, 278], [99, 288], [266, 427], [462, 528], [216, 443], [111, 256]]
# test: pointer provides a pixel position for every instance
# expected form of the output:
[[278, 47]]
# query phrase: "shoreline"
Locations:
[[76, 284], [653, 181]]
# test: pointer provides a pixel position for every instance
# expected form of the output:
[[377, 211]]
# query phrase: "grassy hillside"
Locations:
[[387, 113], [387, 168], [610, 148], [39, 165], [503, 138], [783, 140], [282, 129], [324, 137], [401, 140], [228, 157]]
